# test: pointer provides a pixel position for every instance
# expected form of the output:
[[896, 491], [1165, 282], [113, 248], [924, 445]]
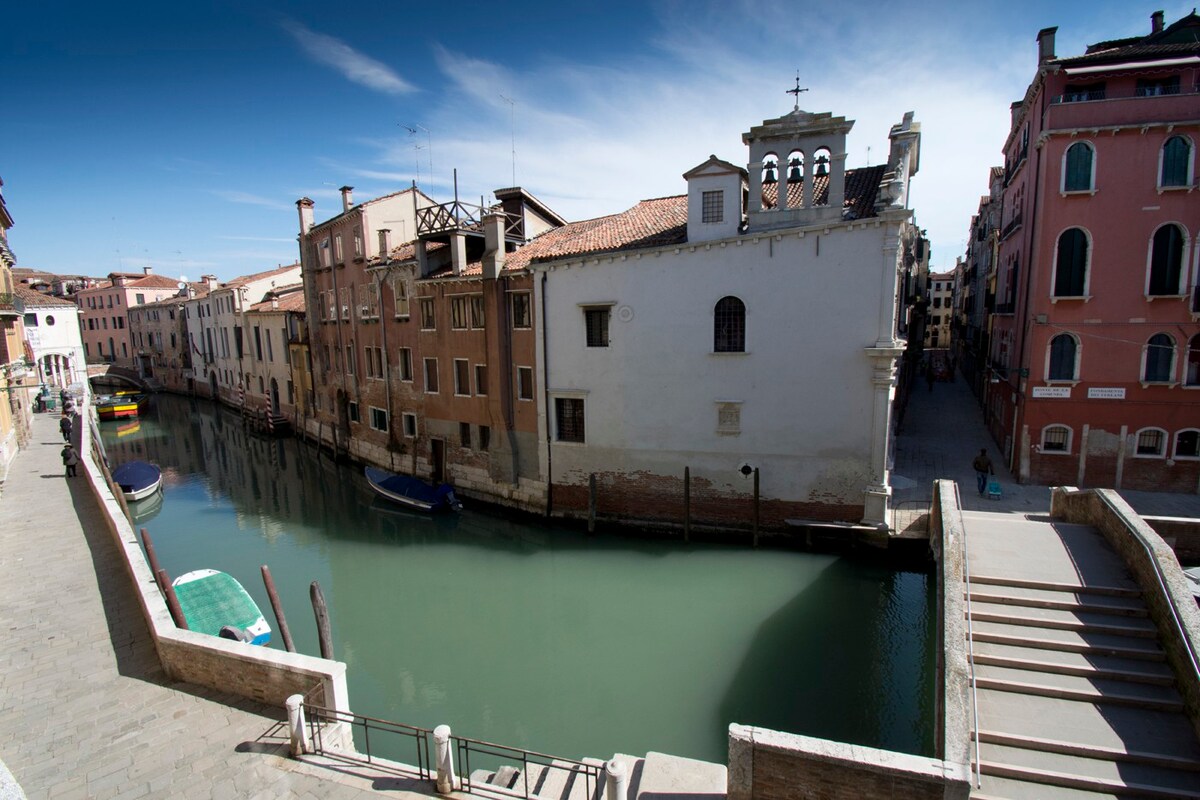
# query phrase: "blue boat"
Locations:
[[138, 479], [412, 492]]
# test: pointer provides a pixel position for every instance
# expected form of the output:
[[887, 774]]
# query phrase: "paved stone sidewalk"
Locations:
[[85, 709], [943, 430]]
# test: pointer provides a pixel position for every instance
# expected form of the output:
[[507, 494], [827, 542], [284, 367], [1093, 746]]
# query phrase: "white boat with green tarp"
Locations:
[[215, 603]]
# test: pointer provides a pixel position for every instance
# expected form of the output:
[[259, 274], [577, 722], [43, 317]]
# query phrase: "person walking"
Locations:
[[64, 425], [983, 469], [70, 459]]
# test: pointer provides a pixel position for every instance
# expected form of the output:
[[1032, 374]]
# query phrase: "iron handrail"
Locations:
[[465, 746], [970, 641], [317, 716]]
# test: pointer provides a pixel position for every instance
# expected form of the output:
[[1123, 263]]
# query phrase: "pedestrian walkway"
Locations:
[[1075, 699], [943, 430], [85, 709]]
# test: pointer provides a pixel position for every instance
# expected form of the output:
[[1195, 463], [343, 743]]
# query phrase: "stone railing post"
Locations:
[[444, 754], [616, 780], [296, 728]]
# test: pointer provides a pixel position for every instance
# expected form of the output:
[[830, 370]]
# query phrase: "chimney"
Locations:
[[305, 208], [493, 238], [385, 243], [148, 270], [211, 280], [1156, 22], [458, 252], [347, 197], [1045, 40]]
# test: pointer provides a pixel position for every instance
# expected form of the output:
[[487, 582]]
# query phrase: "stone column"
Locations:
[[444, 756], [296, 727], [616, 780]]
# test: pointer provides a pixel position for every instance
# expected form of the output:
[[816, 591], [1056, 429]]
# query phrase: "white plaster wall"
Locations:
[[731, 185], [63, 338], [804, 382]]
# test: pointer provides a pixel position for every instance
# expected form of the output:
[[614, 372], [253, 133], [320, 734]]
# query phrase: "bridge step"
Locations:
[[1064, 601], [1089, 774], [1068, 641], [1075, 588], [997, 788], [1070, 687], [1063, 620], [1091, 751], [1063, 663]]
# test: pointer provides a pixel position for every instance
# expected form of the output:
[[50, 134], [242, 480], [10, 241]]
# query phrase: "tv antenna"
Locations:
[[412, 131], [512, 120]]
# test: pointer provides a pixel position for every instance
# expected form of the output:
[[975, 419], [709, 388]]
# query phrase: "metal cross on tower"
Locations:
[[796, 92]]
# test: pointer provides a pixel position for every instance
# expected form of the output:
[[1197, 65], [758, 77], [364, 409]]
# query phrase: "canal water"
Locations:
[[537, 635]]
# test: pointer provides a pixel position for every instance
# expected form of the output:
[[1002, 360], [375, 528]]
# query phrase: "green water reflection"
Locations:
[[536, 635]]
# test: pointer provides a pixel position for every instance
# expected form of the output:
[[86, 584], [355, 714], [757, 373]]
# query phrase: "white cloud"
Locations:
[[234, 196], [353, 65]]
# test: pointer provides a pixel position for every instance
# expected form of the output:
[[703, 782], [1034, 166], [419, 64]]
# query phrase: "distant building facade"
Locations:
[[17, 382], [941, 310], [1094, 357], [55, 347], [103, 311]]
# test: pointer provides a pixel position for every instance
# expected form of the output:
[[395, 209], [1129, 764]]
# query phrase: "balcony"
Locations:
[[11, 305], [1011, 227]]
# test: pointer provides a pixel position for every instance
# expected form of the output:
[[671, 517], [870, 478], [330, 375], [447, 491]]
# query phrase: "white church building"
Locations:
[[743, 334]]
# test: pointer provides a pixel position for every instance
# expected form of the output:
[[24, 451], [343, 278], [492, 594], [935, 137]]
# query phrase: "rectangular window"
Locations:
[[462, 377], [431, 375], [524, 383], [352, 411], [521, 318], [596, 321], [337, 249], [379, 419], [368, 297], [347, 298], [485, 437], [404, 364], [409, 421], [258, 348], [477, 311], [481, 379], [1150, 443], [350, 370], [712, 206], [1054, 440], [323, 248], [568, 414], [428, 321], [458, 313], [358, 243], [374, 357], [400, 293], [270, 349], [141, 299], [464, 433]]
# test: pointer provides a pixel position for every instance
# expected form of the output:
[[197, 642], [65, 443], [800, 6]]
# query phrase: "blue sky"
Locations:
[[179, 136]]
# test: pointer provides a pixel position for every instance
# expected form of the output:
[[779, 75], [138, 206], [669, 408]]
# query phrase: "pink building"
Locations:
[[1094, 355], [103, 320]]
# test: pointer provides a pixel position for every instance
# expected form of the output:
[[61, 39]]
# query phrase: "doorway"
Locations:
[[437, 459]]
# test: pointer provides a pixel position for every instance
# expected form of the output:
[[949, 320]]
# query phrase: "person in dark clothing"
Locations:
[[70, 459], [983, 469], [64, 425]]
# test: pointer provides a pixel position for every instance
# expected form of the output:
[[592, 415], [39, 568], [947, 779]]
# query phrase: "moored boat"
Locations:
[[412, 492], [215, 603], [119, 405], [138, 479]]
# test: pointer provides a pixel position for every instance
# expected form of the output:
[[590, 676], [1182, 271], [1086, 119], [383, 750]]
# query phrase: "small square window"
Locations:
[[524, 383], [596, 320], [521, 317], [569, 417], [1055, 439], [712, 206]]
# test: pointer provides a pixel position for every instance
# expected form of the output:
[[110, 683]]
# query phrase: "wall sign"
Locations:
[[1052, 391], [1099, 393]]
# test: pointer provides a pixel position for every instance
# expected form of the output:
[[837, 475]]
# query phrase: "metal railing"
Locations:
[[318, 719], [592, 774]]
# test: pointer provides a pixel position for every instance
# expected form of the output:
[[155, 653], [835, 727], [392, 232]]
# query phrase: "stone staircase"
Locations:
[[1076, 700], [650, 778]]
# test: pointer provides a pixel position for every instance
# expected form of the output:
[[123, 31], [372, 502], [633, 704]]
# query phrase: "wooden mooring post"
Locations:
[[592, 503], [756, 499], [687, 504], [172, 600], [277, 607], [152, 557], [324, 633]]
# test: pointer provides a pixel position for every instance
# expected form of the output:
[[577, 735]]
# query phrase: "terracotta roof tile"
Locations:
[[651, 223], [154, 282], [862, 187], [292, 301], [34, 298], [242, 280]]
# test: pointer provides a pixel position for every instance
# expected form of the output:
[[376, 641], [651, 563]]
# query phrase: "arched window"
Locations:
[[1056, 439], [1176, 162], [1077, 168], [1166, 261], [1159, 359], [729, 326], [1070, 266], [1151, 442], [1192, 372], [1187, 443], [1063, 351], [822, 159], [770, 169]]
